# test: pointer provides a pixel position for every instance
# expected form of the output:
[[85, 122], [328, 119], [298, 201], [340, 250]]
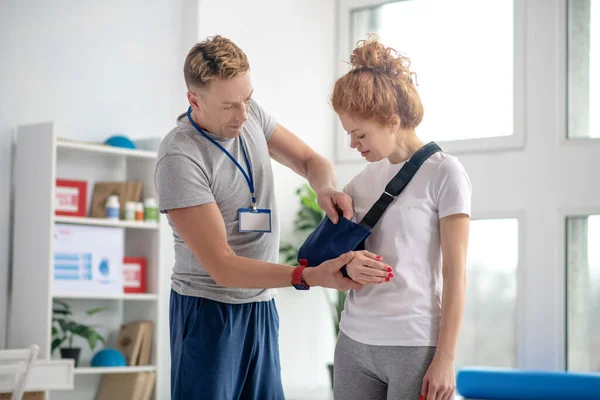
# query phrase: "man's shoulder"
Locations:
[[181, 140]]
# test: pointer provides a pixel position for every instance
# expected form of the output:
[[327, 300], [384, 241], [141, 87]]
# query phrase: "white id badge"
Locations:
[[254, 220]]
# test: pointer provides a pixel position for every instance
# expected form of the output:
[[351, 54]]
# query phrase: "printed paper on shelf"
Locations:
[[132, 275], [67, 199], [88, 259]]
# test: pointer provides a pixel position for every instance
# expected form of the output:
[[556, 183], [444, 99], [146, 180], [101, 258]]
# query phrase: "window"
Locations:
[[463, 53], [488, 334], [583, 294], [583, 21]]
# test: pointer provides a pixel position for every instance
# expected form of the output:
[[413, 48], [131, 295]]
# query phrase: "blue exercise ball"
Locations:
[[108, 358], [120, 141]]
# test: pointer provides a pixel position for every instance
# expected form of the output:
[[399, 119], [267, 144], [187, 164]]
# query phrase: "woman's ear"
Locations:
[[395, 123]]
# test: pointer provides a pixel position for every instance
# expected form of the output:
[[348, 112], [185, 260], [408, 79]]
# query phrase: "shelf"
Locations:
[[45, 375], [94, 296], [113, 370], [104, 149], [106, 222]]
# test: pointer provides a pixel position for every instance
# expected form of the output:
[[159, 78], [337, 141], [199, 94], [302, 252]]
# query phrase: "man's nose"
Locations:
[[243, 115]]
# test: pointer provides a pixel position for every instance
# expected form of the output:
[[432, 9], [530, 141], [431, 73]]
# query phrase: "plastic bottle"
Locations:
[[113, 208], [150, 209], [130, 210], [139, 211]]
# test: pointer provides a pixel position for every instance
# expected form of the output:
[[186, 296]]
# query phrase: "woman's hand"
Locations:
[[439, 380], [368, 268]]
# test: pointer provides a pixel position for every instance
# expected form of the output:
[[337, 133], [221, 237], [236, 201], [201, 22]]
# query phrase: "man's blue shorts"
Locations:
[[224, 351]]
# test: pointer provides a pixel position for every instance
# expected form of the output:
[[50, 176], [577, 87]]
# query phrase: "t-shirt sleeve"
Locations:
[[454, 189], [181, 182], [266, 120], [350, 190]]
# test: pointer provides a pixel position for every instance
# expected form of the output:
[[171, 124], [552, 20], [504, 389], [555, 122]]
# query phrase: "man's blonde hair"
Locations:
[[215, 57]]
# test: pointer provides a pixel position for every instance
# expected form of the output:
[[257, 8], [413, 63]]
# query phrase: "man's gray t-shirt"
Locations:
[[191, 170]]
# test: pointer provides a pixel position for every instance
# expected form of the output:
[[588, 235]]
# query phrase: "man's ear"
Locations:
[[196, 97], [193, 100]]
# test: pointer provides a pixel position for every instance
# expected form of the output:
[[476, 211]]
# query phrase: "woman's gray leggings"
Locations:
[[365, 372]]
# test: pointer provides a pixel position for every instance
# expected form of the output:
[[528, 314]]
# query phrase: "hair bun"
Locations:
[[372, 55]]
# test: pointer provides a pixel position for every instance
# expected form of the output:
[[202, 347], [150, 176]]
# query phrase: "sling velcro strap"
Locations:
[[398, 183]]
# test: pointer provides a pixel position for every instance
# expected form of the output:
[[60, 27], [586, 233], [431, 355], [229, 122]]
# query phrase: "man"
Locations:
[[214, 180]]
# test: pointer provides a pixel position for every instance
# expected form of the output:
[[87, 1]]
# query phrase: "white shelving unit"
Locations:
[[96, 296], [41, 158], [114, 370], [106, 222]]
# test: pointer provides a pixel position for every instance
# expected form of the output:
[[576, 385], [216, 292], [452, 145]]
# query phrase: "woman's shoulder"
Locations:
[[449, 172], [364, 176], [373, 169], [444, 163]]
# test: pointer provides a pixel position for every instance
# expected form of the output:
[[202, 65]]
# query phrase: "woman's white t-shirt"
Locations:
[[406, 310]]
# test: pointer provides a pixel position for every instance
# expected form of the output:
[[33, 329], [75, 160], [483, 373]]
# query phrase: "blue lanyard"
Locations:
[[248, 177]]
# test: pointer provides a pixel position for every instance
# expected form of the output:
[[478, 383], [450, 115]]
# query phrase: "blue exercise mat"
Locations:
[[510, 384]]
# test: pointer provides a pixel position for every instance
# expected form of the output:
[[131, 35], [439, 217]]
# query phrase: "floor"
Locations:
[[315, 394]]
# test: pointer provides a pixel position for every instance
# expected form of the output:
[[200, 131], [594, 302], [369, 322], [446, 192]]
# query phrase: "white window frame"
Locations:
[[344, 154], [565, 140], [564, 214], [520, 312]]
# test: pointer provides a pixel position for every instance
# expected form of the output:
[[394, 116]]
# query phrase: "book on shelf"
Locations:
[[131, 386], [135, 342]]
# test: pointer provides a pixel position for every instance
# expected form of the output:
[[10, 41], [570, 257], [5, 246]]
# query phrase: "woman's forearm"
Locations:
[[453, 301]]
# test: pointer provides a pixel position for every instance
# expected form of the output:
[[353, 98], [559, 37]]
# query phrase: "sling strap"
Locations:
[[398, 183]]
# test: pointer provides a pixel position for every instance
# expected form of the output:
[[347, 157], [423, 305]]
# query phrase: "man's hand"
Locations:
[[331, 200], [328, 274], [367, 268]]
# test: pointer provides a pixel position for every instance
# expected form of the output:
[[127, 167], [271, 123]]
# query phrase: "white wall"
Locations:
[[95, 68], [290, 45], [98, 68]]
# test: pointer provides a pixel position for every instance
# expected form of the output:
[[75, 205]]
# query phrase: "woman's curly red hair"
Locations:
[[379, 86]]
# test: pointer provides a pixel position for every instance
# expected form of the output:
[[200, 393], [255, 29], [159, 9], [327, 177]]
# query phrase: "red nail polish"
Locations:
[[389, 270], [390, 275], [387, 279], [379, 257], [421, 397]]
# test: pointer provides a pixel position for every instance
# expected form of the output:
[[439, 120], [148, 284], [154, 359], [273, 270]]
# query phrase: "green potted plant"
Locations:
[[64, 329], [307, 219]]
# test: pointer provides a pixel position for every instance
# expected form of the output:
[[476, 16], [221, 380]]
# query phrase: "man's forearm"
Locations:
[[242, 272], [320, 173]]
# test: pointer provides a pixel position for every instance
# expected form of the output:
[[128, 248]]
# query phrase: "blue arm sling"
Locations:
[[331, 240]]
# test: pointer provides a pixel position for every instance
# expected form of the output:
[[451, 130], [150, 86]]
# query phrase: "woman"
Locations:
[[405, 349]]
